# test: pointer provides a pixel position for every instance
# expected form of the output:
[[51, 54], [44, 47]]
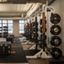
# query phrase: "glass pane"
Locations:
[[10, 21], [0, 21], [4, 21], [10, 24], [10, 32], [0, 31], [21, 31], [4, 24], [21, 21], [10, 29], [0, 25], [21, 26]]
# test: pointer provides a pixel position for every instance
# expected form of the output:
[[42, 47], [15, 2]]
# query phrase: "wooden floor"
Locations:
[[38, 61]]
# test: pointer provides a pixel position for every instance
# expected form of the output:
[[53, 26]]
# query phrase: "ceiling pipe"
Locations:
[[50, 2], [22, 1]]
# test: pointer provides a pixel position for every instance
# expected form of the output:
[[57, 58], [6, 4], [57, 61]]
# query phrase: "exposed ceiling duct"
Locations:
[[23, 7], [15, 7], [22, 1], [32, 9]]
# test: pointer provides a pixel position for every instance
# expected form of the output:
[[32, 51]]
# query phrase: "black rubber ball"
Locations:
[[56, 41], [56, 53], [55, 18], [55, 30]]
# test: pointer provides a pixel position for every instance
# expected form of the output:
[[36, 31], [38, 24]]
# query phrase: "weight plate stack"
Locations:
[[55, 18], [56, 41], [56, 53], [55, 30]]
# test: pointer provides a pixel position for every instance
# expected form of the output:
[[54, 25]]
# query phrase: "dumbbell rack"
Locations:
[[55, 31], [5, 48], [4, 31]]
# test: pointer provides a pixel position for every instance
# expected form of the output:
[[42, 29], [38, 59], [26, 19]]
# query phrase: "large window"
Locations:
[[8, 23], [21, 26], [10, 26]]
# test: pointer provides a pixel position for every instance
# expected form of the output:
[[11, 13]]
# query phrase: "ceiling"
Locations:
[[22, 1], [15, 7], [19, 6]]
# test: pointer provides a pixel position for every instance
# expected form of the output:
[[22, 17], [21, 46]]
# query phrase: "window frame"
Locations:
[[21, 28]]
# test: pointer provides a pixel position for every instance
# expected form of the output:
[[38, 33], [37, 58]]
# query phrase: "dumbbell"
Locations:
[[56, 53], [41, 29], [35, 24], [55, 18], [41, 21], [35, 29], [55, 30], [56, 41]]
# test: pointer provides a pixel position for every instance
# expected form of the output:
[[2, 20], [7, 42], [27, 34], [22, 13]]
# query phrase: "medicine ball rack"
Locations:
[[55, 39]]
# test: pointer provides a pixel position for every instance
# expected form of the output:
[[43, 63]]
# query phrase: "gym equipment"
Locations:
[[56, 41], [42, 42], [41, 29], [17, 56], [5, 48], [35, 29], [56, 53], [41, 21], [10, 38], [56, 61], [0, 34], [43, 37], [35, 37], [55, 30], [55, 18]]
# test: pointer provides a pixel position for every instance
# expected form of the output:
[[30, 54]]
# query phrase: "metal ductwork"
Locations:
[[22, 1]]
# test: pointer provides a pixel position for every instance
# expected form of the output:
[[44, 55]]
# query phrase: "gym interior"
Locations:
[[31, 32]]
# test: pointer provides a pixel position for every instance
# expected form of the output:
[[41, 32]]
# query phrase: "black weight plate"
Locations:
[[41, 29], [56, 41], [55, 30], [41, 21], [35, 36], [42, 37], [35, 23], [55, 18], [35, 29], [56, 53]]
